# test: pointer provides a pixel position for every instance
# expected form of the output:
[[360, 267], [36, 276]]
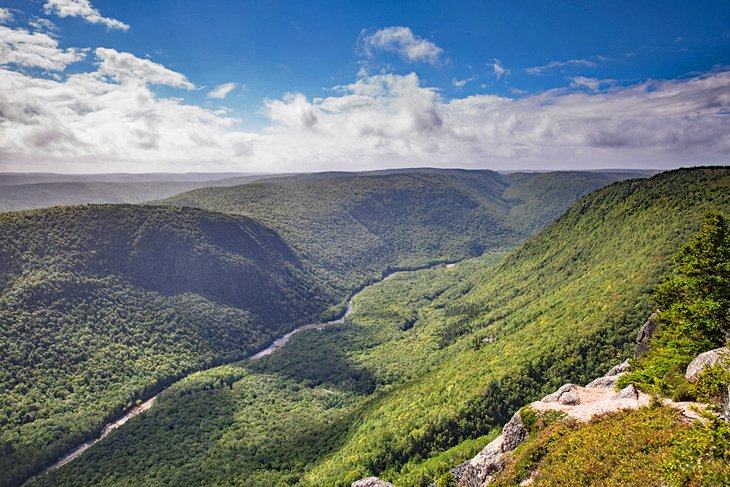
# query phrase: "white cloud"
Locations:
[[460, 83], [222, 91], [83, 9], [43, 24], [125, 67], [35, 50], [560, 64], [498, 69], [113, 120], [591, 84], [6, 15], [402, 41]]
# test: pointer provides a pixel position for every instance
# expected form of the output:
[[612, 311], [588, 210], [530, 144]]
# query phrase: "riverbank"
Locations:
[[271, 348]]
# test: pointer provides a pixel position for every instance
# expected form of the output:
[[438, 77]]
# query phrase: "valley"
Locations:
[[106, 305], [428, 365]]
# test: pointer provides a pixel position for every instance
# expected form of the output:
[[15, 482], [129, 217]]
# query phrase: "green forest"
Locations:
[[430, 364], [105, 305]]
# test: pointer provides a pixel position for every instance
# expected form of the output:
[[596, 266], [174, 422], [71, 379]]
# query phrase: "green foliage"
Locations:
[[695, 311], [107, 304], [103, 305], [350, 228], [446, 480], [713, 382], [648, 446], [392, 400]]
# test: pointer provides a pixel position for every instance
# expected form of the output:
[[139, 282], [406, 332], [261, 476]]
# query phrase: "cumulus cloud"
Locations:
[[222, 91], [401, 41], [560, 64], [43, 24], [115, 119], [126, 67], [83, 9], [6, 15], [498, 69], [35, 50]]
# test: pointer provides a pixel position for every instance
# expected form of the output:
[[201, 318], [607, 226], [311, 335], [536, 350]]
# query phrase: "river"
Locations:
[[274, 346]]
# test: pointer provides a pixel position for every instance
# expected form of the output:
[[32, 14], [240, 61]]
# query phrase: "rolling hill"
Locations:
[[102, 305], [107, 304], [430, 363]]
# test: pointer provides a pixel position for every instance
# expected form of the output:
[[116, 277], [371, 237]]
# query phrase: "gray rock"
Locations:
[[514, 433], [646, 333], [628, 392], [569, 398], [604, 382], [725, 411], [555, 396], [708, 358], [371, 482], [619, 369], [480, 470]]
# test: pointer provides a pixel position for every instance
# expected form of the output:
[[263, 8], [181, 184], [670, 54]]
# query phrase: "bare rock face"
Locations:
[[481, 469], [514, 433], [371, 482], [555, 396], [707, 358], [646, 333]]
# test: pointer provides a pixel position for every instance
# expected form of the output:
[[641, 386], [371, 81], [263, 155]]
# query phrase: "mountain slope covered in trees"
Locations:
[[102, 305], [430, 364], [107, 304], [350, 227]]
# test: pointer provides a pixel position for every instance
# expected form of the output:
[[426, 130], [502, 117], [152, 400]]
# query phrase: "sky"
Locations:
[[92, 86]]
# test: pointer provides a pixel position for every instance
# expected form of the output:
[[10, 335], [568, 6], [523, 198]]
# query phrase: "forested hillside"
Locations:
[[350, 227], [102, 305], [429, 364], [106, 304]]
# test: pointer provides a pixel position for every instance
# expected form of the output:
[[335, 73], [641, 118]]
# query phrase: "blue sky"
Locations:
[[416, 65]]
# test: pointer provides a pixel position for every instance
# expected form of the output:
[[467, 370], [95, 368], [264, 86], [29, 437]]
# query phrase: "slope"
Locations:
[[426, 361], [351, 227], [102, 305]]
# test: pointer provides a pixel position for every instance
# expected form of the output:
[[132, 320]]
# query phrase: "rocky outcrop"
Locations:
[[619, 369], [555, 396], [371, 482], [646, 333], [704, 359], [581, 403], [481, 469]]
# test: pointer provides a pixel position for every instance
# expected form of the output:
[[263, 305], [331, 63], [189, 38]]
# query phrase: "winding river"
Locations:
[[274, 346]]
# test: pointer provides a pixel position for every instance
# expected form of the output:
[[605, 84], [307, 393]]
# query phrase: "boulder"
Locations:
[[628, 392], [703, 359], [555, 396], [646, 333], [371, 482], [619, 369], [603, 382], [569, 398]]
